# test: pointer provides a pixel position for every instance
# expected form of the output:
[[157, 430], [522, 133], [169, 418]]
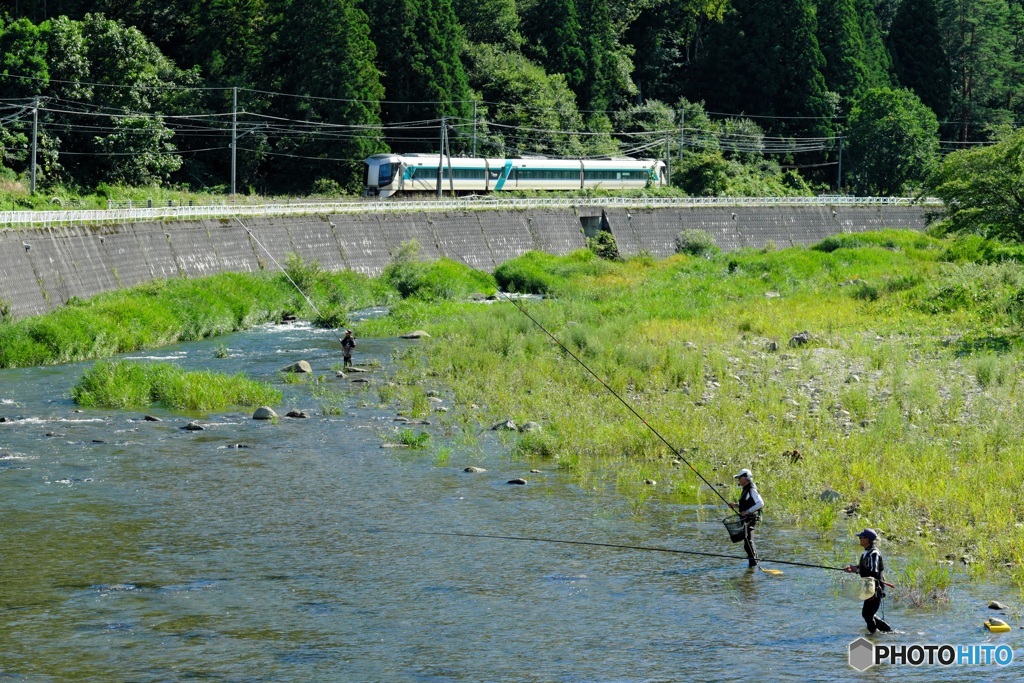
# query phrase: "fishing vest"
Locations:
[[748, 499], [871, 564]]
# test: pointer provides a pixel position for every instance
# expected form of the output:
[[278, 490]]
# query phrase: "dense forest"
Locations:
[[742, 96]]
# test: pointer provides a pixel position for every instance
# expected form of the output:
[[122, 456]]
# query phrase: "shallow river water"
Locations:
[[137, 551]]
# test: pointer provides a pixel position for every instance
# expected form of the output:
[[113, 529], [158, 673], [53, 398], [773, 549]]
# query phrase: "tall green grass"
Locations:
[[127, 385]]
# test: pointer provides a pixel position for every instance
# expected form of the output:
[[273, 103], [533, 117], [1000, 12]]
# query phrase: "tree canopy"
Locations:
[[983, 188], [894, 141]]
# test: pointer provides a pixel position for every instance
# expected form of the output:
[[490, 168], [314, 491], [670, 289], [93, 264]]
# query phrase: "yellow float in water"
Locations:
[[997, 625]]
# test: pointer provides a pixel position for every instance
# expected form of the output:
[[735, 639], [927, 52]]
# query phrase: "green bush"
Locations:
[[443, 279], [526, 274], [830, 244], [603, 244], [695, 243]]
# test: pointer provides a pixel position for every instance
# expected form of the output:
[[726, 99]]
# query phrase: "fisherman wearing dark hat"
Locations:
[[871, 565], [749, 509], [347, 344]]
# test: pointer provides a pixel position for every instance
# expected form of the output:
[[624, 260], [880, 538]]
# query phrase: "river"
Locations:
[[138, 551]]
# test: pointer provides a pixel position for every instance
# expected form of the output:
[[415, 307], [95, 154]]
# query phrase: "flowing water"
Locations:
[[138, 551]]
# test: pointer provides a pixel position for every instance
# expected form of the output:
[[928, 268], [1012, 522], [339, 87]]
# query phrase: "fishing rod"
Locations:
[[308, 300], [648, 548], [614, 393]]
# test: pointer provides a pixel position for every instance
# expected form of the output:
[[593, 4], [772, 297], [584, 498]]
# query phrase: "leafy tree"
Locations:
[[1015, 74], [919, 60], [323, 49], [120, 55], [983, 188], [648, 117], [22, 59], [669, 36], [490, 21], [877, 60], [894, 141], [764, 59], [419, 42], [554, 40], [980, 45], [607, 66], [229, 40], [842, 46], [139, 152], [525, 97]]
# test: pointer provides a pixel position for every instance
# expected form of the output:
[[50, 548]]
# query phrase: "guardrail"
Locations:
[[186, 213]]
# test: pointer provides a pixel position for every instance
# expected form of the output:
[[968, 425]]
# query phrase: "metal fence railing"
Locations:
[[186, 213]]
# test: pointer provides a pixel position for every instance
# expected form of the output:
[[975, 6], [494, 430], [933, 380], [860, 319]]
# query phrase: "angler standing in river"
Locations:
[[749, 509], [871, 565], [347, 344]]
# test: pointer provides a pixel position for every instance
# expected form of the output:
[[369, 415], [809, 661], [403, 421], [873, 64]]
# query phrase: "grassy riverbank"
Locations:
[[168, 311], [906, 401]]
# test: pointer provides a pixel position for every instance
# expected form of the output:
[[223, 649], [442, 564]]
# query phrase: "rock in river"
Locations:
[[301, 366], [264, 413]]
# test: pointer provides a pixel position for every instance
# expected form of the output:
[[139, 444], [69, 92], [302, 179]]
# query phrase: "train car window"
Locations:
[[494, 173], [462, 173], [615, 175], [548, 174], [385, 174]]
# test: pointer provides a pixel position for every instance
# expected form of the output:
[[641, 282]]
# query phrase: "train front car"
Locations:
[[383, 175], [416, 175]]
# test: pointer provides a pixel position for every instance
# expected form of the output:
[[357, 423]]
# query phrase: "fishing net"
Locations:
[[736, 528], [859, 588]]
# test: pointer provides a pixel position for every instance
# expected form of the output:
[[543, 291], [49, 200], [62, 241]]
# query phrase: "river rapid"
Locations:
[[138, 551]]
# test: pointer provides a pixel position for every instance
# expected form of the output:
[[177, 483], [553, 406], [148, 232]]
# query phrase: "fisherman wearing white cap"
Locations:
[[749, 509], [871, 565], [347, 344]]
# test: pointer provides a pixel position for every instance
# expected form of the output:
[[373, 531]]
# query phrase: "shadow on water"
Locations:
[[161, 554]]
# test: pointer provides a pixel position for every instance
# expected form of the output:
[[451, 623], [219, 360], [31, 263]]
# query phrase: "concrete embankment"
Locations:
[[41, 269]]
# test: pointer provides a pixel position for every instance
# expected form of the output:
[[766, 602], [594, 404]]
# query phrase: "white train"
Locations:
[[391, 174]]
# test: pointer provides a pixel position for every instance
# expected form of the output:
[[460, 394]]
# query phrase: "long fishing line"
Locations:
[[308, 300], [619, 546], [605, 385]]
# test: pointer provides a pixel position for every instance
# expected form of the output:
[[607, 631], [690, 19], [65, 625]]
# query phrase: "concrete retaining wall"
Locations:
[[42, 269]]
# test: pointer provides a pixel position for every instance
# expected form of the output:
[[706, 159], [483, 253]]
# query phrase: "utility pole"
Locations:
[[35, 139], [668, 160], [234, 139], [448, 152], [682, 132], [839, 178], [440, 160], [474, 128]]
